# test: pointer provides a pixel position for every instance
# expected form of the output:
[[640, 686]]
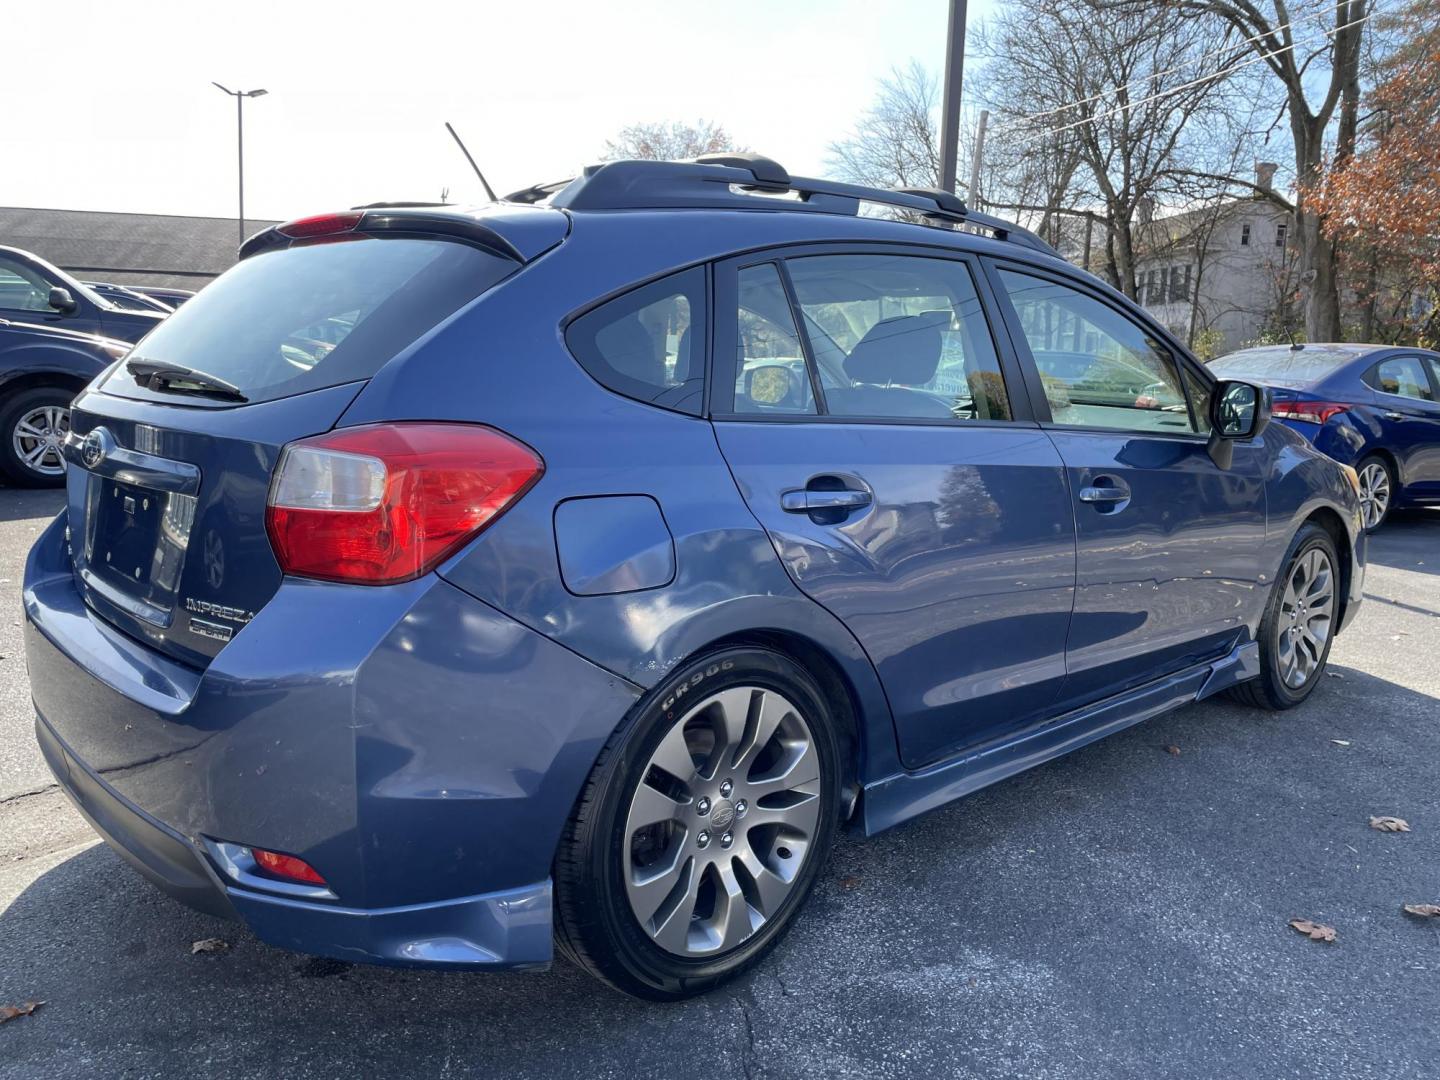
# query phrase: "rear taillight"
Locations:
[[320, 225], [286, 866], [1312, 412], [388, 502]]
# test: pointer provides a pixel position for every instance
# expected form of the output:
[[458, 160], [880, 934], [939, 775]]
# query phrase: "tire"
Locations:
[[723, 850], [1276, 688], [1377, 490], [27, 422]]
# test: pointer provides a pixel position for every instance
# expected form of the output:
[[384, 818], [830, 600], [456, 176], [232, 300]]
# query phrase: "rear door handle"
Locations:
[[1394, 416], [804, 501]]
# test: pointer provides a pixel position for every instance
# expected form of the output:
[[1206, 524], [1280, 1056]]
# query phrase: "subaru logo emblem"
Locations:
[[94, 447]]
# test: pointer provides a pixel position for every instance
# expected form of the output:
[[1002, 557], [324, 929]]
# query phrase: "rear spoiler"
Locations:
[[518, 233]]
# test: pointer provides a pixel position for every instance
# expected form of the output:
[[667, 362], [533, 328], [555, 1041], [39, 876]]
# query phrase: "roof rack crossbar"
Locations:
[[732, 181]]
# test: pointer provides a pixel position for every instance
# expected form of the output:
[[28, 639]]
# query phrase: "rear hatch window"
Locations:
[[309, 316], [167, 501]]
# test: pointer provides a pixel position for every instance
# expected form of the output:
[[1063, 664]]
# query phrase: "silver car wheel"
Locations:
[[722, 821], [1374, 494], [37, 438], [1306, 616]]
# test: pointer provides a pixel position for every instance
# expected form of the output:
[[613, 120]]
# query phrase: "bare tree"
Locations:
[[669, 141], [1314, 59], [1104, 103], [897, 142]]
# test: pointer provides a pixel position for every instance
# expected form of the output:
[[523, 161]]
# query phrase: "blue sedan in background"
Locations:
[[1374, 407]]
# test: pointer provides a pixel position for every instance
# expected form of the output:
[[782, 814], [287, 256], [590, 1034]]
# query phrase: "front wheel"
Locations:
[[1299, 624], [702, 828], [33, 425]]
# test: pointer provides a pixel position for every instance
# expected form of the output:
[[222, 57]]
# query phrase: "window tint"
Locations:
[[770, 373], [899, 336], [21, 289], [1434, 368], [649, 344], [1404, 377], [1099, 368], [315, 315]]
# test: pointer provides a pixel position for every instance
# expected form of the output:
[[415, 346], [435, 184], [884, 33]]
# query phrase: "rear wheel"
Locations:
[[1377, 489], [1299, 624], [702, 829], [33, 425]]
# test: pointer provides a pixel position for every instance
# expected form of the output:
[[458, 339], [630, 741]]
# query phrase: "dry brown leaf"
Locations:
[[208, 945], [849, 882], [1423, 911], [10, 1012], [1173, 751], [1313, 930], [1390, 824]]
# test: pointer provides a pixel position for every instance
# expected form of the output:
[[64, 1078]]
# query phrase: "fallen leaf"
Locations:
[[1313, 930], [1390, 824], [10, 1012], [1423, 911], [1334, 674], [849, 882], [1173, 751], [1341, 742], [209, 944]]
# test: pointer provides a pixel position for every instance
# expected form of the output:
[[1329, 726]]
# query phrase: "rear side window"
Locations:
[[316, 315], [648, 344], [1402, 376]]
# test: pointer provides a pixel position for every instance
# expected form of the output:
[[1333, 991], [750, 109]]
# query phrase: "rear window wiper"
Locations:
[[178, 379]]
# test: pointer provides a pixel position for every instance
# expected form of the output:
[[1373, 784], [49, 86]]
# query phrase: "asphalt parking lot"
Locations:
[[1119, 913]]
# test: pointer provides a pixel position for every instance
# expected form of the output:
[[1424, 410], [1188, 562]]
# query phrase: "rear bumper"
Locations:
[[501, 930], [417, 747]]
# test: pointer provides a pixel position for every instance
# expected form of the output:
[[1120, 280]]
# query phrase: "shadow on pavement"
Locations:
[[1409, 540], [17, 504], [1121, 912]]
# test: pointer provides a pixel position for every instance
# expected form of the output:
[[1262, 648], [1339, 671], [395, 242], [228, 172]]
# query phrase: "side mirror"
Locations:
[[61, 300], [772, 384], [1238, 411]]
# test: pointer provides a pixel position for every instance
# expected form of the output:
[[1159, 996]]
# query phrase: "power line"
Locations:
[[1158, 95], [1108, 91]]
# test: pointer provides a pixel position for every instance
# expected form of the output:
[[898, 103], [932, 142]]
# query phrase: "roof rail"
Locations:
[[726, 181]]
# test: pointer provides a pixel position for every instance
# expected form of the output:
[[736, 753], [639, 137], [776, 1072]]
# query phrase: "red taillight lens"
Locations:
[[286, 866], [319, 225], [387, 502], [1312, 412]]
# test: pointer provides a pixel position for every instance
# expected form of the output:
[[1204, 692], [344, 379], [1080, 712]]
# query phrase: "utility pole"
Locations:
[[972, 194], [240, 96], [950, 100]]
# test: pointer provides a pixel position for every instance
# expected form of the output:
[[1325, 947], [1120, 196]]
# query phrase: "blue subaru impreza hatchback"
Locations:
[[439, 585]]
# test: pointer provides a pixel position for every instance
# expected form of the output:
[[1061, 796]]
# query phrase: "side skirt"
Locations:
[[905, 795]]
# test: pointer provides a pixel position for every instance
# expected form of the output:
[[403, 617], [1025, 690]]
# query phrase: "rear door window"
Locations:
[[316, 315], [1402, 376], [648, 344]]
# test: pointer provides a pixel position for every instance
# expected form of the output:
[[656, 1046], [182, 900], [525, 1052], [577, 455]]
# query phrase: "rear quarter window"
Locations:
[[316, 315], [649, 343]]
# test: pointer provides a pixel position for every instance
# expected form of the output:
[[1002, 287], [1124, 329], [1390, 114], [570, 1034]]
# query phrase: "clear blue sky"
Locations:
[[108, 106]]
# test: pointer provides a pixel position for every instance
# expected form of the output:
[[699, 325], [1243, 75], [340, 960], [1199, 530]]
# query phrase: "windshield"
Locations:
[[316, 315], [1283, 364]]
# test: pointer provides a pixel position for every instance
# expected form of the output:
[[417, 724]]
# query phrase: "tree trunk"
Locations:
[[1319, 277]]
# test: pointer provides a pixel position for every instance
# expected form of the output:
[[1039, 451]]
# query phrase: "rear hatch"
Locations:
[[172, 451]]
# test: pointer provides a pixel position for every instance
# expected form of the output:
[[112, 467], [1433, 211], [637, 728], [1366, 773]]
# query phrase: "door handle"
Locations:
[[1394, 416], [1103, 494], [805, 501]]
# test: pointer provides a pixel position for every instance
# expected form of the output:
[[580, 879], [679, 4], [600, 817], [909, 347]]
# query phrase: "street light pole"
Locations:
[[240, 96], [950, 100]]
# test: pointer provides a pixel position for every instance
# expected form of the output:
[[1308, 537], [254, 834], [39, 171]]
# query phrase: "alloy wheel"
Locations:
[[722, 821], [1306, 615], [1374, 494], [38, 436]]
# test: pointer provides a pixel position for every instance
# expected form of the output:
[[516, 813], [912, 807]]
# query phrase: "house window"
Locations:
[[1179, 283], [1280, 235], [1245, 235]]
